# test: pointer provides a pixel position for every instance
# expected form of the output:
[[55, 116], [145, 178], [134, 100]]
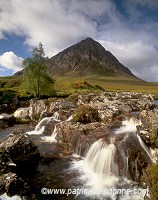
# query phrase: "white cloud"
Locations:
[[9, 60], [132, 38], [141, 58], [56, 24]]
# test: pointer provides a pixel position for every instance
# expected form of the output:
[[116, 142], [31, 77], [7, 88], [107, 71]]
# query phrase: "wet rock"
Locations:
[[49, 128], [48, 150], [61, 104], [44, 108], [12, 184], [22, 115], [2, 185], [63, 107], [36, 109], [6, 120], [3, 125], [77, 138], [131, 157], [149, 128], [21, 150]]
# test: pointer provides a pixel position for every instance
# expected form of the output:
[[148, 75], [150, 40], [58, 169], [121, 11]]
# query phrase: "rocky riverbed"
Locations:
[[40, 142]]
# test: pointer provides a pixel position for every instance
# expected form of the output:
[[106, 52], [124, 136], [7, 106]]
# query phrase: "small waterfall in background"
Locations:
[[99, 171], [41, 125], [146, 149], [128, 126], [51, 138]]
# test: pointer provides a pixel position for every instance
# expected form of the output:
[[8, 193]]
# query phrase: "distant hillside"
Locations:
[[87, 57]]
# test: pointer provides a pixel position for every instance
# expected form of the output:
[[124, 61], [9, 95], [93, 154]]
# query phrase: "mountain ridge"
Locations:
[[87, 57]]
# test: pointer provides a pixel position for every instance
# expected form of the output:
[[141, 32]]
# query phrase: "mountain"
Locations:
[[84, 58]]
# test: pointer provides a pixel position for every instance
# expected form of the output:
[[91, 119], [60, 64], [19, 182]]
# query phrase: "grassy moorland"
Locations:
[[9, 82], [110, 84], [69, 85]]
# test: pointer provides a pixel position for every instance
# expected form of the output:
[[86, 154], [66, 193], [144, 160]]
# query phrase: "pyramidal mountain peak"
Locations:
[[87, 57]]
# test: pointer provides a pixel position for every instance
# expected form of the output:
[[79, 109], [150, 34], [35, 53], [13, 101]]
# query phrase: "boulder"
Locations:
[[2, 185], [44, 108], [37, 108], [77, 138], [149, 129], [21, 150], [131, 156], [12, 184], [6, 120], [22, 115]]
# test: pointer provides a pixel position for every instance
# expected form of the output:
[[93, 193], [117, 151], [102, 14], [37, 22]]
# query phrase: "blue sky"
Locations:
[[127, 28]]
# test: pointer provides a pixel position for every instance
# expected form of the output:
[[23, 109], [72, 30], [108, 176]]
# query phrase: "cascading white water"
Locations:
[[100, 158], [41, 125], [56, 116], [99, 170], [146, 149], [51, 138], [128, 126]]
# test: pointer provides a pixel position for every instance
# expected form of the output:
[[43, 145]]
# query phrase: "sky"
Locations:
[[126, 28]]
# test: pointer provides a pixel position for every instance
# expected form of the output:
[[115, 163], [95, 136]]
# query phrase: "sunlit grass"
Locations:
[[110, 84], [63, 84]]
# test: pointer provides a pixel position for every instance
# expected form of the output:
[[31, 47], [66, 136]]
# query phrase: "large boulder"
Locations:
[[36, 109], [22, 115], [149, 128], [44, 108], [77, 137], [132, 156], [21, 150]]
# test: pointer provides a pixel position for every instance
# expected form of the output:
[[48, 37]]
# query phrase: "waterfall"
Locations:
[[50, 138], [99, 171], [56, 116], [100, 158], [98, 167], [145, 147], [128, 126], [41, 125]]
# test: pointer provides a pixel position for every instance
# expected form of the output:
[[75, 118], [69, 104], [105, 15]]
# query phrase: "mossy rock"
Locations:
[[86, 114]]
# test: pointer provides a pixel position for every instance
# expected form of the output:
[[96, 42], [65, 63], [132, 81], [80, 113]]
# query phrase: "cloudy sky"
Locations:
[[127, 28]]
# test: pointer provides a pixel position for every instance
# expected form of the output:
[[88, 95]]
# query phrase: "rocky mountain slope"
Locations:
[[84, 58]]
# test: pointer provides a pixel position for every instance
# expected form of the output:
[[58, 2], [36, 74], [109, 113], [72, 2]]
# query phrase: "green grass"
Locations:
[[110, 83], [9, 82], [64, 84]]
